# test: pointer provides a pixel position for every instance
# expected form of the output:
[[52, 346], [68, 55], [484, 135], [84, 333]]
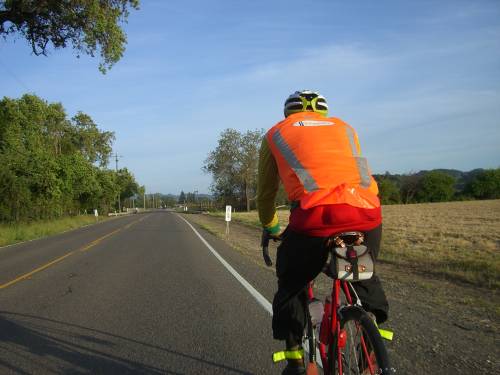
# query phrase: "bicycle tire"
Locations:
[[359, 327]]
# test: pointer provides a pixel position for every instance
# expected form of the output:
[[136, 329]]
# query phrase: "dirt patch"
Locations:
[[440, 326]]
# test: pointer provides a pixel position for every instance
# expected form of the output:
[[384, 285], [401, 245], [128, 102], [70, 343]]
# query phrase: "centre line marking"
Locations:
[[57, 260]]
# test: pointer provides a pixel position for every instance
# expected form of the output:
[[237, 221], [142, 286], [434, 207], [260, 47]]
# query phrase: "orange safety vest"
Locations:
[[319, 161]]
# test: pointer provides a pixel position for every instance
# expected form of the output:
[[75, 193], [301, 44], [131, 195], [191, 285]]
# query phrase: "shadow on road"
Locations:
[[31, 344]]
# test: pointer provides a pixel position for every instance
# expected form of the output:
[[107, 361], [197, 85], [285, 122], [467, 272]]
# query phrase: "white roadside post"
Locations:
[[96, 214], [228, 219]]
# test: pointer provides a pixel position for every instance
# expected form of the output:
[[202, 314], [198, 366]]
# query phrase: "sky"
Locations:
[[418, 80]]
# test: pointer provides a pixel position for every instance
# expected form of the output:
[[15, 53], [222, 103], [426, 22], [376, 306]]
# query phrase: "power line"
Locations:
[[16, 78]]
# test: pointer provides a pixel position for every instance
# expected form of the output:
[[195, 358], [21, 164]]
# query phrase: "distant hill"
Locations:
[[462, 178], [175, 197]]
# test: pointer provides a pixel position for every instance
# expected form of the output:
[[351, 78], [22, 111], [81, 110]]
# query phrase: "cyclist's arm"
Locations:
[[267, 188]]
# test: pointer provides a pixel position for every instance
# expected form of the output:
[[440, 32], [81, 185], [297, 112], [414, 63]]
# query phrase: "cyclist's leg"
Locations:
[[300, 259], [370, 291]]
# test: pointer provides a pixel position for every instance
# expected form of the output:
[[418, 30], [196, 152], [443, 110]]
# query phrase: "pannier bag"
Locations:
[[353, 263]]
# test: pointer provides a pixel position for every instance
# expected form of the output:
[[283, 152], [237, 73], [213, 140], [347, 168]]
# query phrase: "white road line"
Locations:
[[255, 294]]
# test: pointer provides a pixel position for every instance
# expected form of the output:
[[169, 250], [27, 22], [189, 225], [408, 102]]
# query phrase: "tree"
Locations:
[[190, 198], [409, 187], [250, 145], [233, 165], [90, 26], [108, 189], [224, 165], [126, 183], [388, 191], [168, 200], [48, 164], [435, 186], [281, 196], [182, 198], [485, 185], [94, 144]]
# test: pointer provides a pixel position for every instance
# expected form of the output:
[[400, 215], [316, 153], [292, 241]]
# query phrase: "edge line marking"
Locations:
[[255, 294]]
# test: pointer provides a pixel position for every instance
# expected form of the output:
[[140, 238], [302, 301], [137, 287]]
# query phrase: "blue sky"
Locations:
[[418, 80]]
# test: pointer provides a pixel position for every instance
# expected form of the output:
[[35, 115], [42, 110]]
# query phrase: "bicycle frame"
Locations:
[[330, 325], [330, 332]]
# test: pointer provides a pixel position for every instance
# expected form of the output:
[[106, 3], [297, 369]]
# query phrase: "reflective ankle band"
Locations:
[[386, 334], [288, 354]]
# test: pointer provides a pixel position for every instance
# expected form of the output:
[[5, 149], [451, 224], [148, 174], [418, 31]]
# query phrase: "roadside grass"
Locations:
[[19, 232], [209, 229], [454, 240]]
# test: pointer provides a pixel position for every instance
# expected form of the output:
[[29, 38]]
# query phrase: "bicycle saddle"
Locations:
[[347, 239]]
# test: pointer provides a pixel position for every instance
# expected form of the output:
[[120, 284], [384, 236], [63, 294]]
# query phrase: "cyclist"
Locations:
[[319, 162]]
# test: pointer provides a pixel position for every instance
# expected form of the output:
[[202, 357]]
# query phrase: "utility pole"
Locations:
[[116, 168], [144, 197]]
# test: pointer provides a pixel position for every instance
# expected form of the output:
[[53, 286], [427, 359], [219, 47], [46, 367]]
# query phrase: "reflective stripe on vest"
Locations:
[[321, 164], [361, 162], [303, 174]]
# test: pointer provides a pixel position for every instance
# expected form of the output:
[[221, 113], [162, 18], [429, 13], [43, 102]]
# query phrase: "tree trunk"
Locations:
[[247, 195]]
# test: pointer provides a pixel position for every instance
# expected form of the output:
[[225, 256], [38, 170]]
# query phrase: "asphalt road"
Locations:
[[140, 294]]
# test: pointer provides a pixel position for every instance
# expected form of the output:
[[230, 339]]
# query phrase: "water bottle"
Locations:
[[325, 325], [316, 310]]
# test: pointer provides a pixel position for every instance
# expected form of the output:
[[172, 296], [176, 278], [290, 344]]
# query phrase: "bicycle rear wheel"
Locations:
[[364, 352]]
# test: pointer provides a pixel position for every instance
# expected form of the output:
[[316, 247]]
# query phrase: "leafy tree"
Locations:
[[250, 145], [14, 191], [233, 165], [409, 187], [485, 185], [281, 196], [435, 186], [94, 144], [224, 165], [109, 189], [389, 191], [81, 187], [126, 183], [90, 26], [140, 196], [48, 164]]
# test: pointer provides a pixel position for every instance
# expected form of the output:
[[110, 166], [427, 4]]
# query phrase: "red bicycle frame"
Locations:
[[330, 326]]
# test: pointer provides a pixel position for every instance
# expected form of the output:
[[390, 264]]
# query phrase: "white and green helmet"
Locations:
[[306, 100]]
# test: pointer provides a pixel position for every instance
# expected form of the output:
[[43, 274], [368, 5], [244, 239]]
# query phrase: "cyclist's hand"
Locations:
[[267, 257], [266, 236]]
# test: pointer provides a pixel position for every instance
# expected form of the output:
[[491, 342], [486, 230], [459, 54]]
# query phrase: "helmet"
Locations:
[[306, 100]]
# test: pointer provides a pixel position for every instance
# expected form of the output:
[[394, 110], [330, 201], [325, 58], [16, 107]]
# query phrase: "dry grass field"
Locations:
[[456, 240]]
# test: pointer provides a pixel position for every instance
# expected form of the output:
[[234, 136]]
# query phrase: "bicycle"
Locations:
[[340, 330]]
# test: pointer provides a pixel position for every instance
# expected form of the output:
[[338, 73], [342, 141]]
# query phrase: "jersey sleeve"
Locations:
[[267, 188]]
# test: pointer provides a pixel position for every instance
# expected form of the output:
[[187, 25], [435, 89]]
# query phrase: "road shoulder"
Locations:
[[440, 325]]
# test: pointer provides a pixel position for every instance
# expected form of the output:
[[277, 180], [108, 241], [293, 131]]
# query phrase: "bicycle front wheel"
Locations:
[[362, 352]]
